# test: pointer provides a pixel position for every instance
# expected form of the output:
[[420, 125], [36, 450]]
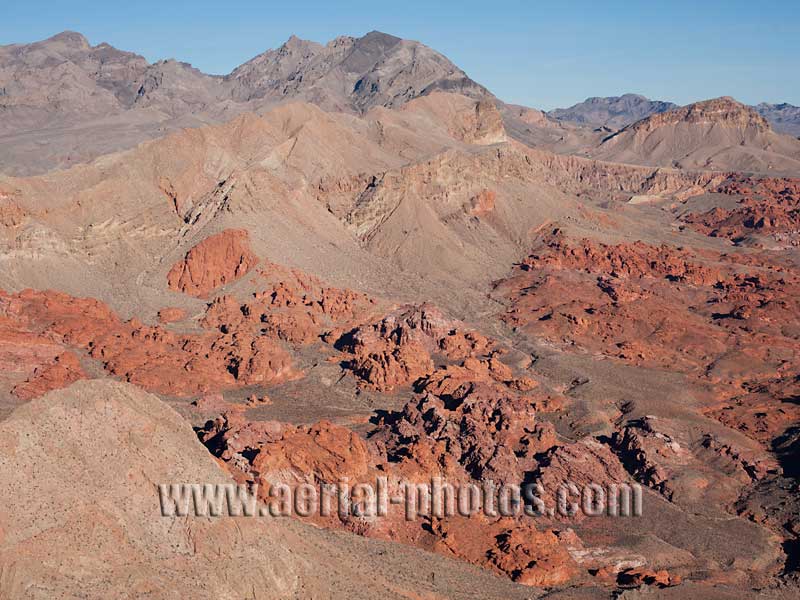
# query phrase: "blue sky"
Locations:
[[541, 54]]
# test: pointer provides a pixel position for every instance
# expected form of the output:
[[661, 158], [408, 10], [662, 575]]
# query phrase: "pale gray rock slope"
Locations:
[[64, 101]]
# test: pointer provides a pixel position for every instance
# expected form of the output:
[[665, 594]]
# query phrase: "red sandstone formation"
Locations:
[[623, 260], [512, 548], [583, 463], [730, 325], [397, 350], [297, 309], [217, 260], [64, 370], [470, 422], [632, 578], [650, 306], [322, 452], [152, 357]]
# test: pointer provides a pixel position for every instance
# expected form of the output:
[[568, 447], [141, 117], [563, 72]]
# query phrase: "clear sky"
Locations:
[[542, 54]]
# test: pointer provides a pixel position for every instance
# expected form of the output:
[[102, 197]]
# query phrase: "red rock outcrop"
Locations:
[[64, 370], [296, 308], [655, 306], [631, 578], [152, 357], [729, 323], [470, 423], [769, 207], [397, 350], [322, 452], [583, 463], [217, 260], [517, 550], [622, 260]]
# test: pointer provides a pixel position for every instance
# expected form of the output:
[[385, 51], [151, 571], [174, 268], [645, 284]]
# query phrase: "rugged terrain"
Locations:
[[65, 101], [357, 262]]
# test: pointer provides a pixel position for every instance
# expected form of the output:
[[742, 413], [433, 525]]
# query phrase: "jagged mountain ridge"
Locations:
[[64, 101], [348, 73]]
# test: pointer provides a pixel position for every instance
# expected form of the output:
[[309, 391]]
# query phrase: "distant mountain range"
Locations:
[[87, 100], [64, 101], [65, 74], [616, 112]]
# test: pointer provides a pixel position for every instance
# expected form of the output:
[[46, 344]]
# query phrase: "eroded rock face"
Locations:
[[101, 487], [620, 261], [151, 357], [398, 349], [295, 308], [619, 300], [724, 110], [482, 203], [216, 261], [64, 370], [486, 125], [699, 473], [583, 463], [658, 306], [521, 552], [470, 422]]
